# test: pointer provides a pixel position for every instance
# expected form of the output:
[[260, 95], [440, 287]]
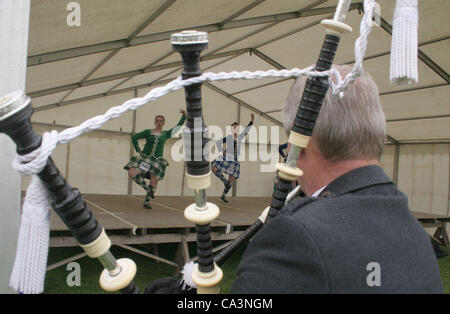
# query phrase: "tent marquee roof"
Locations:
[[122, 49]]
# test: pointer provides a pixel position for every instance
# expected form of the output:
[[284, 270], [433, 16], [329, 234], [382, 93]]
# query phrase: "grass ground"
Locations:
[[150, 270], [444, 266]]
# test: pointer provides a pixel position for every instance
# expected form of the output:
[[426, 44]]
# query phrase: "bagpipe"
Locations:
[[67, 202], [190, 44], [206, 275]]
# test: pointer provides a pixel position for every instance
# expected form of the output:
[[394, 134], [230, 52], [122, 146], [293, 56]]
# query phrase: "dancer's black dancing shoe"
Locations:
[[224, 199], [147, 205]]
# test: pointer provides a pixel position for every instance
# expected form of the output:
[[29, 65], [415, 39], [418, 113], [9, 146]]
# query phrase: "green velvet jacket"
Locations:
[[154, 144]]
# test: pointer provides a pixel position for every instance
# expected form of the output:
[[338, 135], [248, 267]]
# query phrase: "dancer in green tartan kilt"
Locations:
[[150, 163]]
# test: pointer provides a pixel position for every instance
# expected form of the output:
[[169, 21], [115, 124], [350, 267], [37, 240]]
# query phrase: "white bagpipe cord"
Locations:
[[404, 43], [28, 274]]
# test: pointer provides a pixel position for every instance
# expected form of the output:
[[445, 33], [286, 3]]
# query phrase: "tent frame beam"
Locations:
[[127, 74], [146, 39], [139, 29], [230, 23], [152, 67]]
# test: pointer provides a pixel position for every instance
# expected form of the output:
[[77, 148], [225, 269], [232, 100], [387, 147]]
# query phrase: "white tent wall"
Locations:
[[388, 160], [93, 162], [89, 162], [424, 177], [96, 161], [257, 177], [14, 21]]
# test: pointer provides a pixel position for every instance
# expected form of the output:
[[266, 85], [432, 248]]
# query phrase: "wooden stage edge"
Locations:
[[127, 223]]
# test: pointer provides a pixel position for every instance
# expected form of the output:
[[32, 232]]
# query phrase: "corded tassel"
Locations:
[[404, 43], [187, 271], [30, 265]]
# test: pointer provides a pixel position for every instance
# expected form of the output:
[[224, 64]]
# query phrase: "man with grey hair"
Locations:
[[353, 232]]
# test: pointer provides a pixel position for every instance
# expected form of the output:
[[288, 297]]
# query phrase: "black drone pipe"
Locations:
[[68, 203], [237, 243], [208, 275], [311, 102], [245, 236]]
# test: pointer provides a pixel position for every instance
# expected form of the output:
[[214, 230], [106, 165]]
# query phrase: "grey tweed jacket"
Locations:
[[358, 236]]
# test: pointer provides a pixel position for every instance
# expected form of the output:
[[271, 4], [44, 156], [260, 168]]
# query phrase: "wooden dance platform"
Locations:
[[127, 223], [439, 222], [125, 215]]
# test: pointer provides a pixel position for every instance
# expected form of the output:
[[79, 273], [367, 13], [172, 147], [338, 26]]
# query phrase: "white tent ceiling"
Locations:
[[122, 49]]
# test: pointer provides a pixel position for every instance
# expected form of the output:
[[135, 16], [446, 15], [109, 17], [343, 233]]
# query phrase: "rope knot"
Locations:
[[34, 162]]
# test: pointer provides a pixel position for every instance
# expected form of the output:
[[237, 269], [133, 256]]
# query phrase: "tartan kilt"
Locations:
[[147, 165], [230, 167]]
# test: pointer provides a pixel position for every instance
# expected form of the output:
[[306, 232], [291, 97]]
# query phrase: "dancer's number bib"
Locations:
[[144, 166]]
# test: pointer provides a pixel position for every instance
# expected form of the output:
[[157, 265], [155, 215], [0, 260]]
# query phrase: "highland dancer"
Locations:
[[150, 163], [228, 163]]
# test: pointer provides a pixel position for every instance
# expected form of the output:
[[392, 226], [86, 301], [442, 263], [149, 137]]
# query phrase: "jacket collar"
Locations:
[[356, 179]]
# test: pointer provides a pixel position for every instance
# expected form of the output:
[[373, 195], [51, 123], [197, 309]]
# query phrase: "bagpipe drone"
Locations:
[[34, 154]]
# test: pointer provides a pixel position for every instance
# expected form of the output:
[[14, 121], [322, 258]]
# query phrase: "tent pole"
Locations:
[[234, 192], [396, 163], [133, 131], [14, 21]]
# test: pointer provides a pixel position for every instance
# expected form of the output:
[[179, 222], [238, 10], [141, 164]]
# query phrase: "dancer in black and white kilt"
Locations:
[[228, 163]]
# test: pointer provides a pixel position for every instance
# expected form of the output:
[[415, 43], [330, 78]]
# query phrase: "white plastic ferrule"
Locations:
[[207, 283], [199, 182], [98, 247], [288, 173], [189, 37], [201, 216], [12, 103], [336, 28], [115, 282]]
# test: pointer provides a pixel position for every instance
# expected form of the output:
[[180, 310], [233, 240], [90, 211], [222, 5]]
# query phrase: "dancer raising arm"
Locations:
[[228, 163], [150, 163]]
